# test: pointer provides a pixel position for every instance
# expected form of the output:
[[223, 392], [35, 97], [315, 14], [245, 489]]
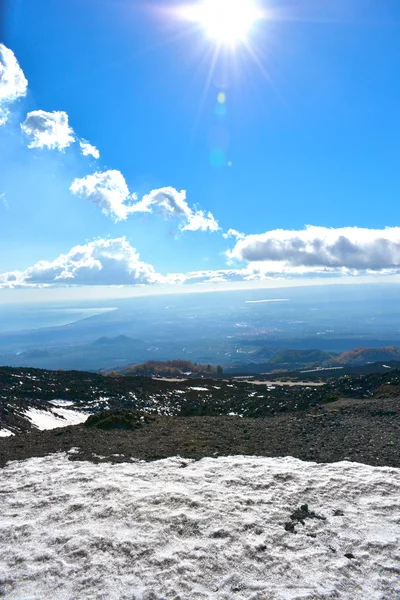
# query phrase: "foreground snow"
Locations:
[[55, 417], [213, 529], [5, 433]]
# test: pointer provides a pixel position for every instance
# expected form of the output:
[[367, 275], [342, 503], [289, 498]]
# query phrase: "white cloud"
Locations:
[[172, 203], [52, 130], [115, 262], [201, 221], [108, 190], [233, 233], [48, 129], [168, 200], [89, 149], [102, 262], [13, 83], [347, 249]]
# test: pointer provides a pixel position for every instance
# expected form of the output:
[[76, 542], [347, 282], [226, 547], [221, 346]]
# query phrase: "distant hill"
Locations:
[[363, 356], [296, 359], [120, 340], [303, 360], [170, 368]]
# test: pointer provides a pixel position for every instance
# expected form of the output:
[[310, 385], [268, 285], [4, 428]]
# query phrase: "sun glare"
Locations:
[[226, 21]]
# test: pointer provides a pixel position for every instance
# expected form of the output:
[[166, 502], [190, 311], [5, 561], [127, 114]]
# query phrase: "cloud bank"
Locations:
[[324, 253], [109, 191], [13, 83], [109, 262], [318, 248], [102, 262]]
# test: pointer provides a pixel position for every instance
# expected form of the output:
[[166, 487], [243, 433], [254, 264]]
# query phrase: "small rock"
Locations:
[[262, 547]]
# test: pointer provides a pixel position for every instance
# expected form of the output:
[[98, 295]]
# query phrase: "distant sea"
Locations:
[[27, 317]]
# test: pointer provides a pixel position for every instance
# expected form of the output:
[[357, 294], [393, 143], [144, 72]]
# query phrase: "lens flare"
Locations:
[[226, 21]]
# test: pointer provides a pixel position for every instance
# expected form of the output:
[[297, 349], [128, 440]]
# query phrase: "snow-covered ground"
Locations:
[[5, 433], [55, 417], [213, 529]]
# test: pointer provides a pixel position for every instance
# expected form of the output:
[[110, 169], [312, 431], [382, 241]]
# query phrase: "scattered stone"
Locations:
[[299, 516]]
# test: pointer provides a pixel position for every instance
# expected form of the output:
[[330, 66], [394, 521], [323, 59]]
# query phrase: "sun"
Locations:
[[225, 21]]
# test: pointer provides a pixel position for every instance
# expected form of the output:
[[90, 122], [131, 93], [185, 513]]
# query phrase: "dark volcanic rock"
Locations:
[[299, 516], [192, 418], [350, 434]]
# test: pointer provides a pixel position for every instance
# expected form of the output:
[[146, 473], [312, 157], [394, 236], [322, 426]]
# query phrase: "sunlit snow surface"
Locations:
[[55, 417], [5, 433], [212, 529]]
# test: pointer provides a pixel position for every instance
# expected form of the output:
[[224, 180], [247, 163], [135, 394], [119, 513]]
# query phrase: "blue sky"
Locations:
[[306, 134]]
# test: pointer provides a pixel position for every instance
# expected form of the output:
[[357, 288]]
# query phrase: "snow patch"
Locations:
[[62, 403], [55, 417], [198, 530], [5, 433]]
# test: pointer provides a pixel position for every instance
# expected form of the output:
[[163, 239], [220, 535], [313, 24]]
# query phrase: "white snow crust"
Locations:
[[208, 530], [55, 417], [61, 403], [5, 433]]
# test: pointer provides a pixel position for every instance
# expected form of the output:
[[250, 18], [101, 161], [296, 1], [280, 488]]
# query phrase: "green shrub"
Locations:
[[118, 419]]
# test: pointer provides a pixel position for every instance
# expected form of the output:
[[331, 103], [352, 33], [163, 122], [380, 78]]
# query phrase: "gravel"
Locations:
[[364, 431]]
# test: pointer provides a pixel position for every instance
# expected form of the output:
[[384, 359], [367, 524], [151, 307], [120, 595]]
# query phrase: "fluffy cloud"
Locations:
[[48, 130], [171, 203], [52, 130], [111, 262], [168, 200], [102, 262], [200, 221], [108, 190], [116, 262], [13, 83], [321, 248], [89, 149]]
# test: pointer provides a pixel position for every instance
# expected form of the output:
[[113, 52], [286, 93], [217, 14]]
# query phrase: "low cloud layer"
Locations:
[[48, 130], [110, 192], [116, 262], [318, 248], [102, 262], [13, 83]]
